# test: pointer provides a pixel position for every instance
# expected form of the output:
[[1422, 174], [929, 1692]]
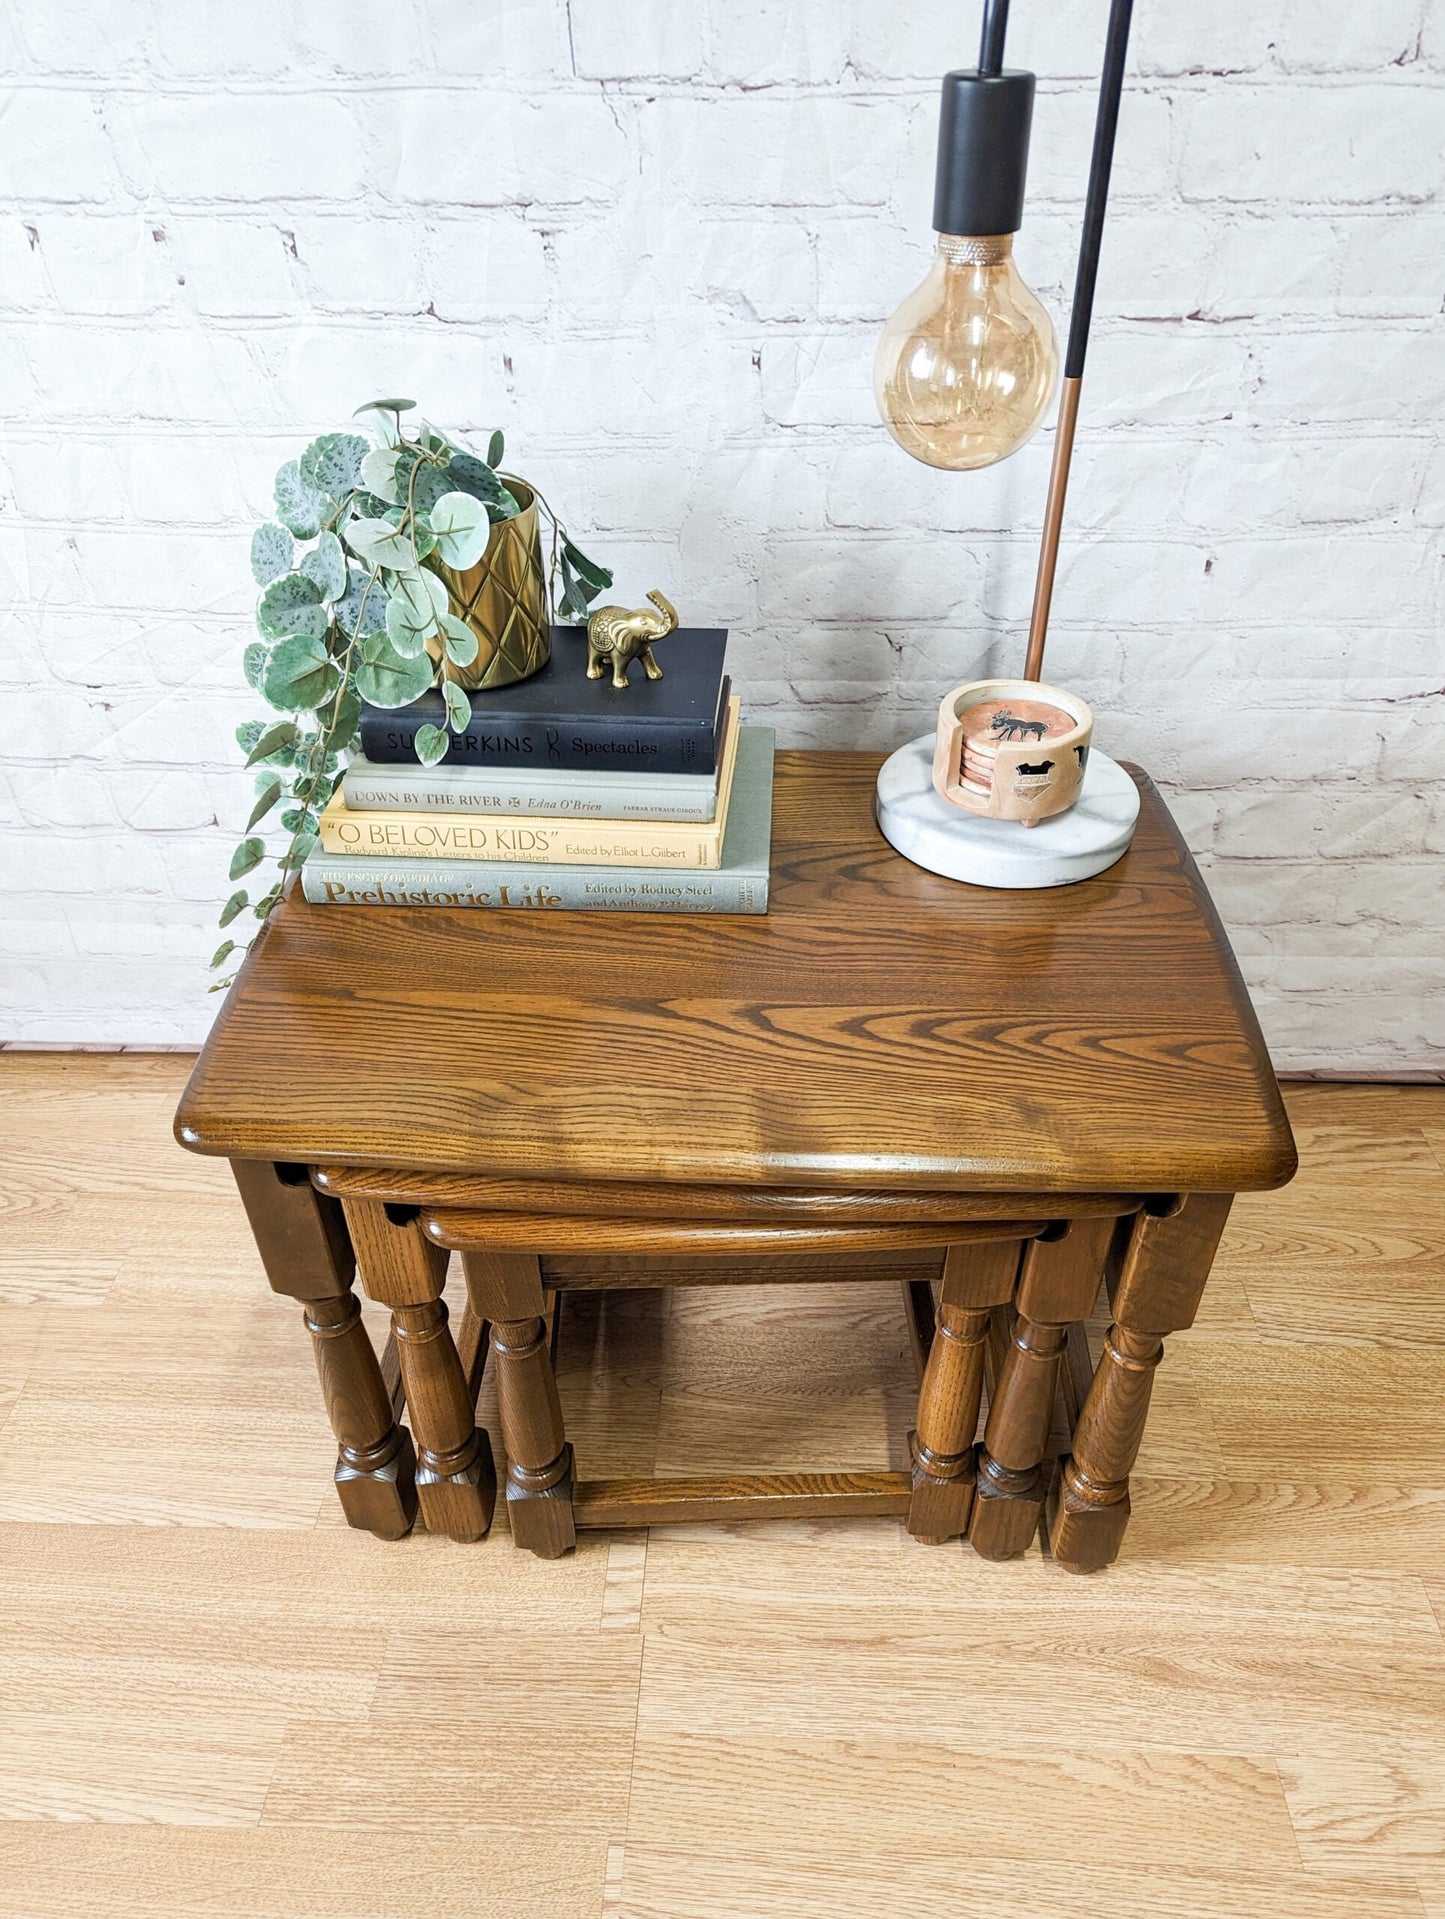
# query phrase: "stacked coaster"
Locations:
[[994, 723]]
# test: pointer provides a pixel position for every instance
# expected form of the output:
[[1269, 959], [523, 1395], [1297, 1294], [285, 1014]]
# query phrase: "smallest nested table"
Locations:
[[1020, 1095]]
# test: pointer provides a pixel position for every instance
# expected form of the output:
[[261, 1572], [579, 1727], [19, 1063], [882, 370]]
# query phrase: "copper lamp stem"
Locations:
[[1053, 521], [1111, 85]]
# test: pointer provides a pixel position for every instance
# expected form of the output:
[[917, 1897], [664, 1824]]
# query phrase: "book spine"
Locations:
[[538, 843], [329, 881], [681, 797], [609, 745]]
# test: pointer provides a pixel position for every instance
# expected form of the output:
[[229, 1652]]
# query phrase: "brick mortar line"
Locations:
[[704, 89], [1215, 435], [729, 327]]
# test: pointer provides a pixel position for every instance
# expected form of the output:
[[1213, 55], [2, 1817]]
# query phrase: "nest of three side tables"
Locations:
[[1023, 1095]]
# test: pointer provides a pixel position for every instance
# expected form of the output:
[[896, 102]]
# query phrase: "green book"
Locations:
[[739, 885]]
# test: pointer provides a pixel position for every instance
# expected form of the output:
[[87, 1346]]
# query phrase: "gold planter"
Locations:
[[503, 599]]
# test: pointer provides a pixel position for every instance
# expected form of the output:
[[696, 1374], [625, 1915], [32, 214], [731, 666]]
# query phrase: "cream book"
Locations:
[[560, 842]]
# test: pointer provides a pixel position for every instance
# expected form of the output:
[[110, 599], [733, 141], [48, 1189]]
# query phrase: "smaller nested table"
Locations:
[[1020, 1095]]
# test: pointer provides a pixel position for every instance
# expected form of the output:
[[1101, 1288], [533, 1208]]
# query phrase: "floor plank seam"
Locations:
[[621, 1848], [1435, 1605]]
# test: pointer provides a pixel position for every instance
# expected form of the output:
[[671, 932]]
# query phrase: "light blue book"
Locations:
[[739, 885]]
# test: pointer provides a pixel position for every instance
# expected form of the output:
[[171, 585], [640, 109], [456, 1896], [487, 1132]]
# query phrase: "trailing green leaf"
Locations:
[[332, 464], [470, 475], [269, 794], [459, 707], [386, 678], [300, 674], [462, 529], [430, 743], [597, 577], [573, 604], [284, 601], [237, 903], [417, 602], [419, 483], [247, 856], [271, 550], [261, 742], [299, 505], [337, 717], [462, 645], [409, 640], [315, 790], [222, 953], [385, 420], [359, 604], [326, 565], [308, 623], [378, 472], [253, 663], [295, 856], [379, 544], [432, 483]]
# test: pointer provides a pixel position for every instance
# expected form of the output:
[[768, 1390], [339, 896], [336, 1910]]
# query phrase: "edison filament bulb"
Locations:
[[967, 366]]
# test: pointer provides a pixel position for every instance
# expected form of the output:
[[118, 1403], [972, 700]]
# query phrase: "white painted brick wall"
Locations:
[[656, 243]]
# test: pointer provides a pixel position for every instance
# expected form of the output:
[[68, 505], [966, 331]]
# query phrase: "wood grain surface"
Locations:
[[666, 1240], [879, 1028], [778, 1205], [219, 1702], [660, 1502]]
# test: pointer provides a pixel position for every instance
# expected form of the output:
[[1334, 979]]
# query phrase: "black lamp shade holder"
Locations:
[[983, 151]]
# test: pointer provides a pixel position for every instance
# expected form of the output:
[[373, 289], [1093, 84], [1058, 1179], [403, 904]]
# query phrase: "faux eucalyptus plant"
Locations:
[[353, 609]]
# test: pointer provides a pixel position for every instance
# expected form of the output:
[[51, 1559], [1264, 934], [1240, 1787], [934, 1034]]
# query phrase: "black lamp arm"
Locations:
[[1111, 85], [995, 26]]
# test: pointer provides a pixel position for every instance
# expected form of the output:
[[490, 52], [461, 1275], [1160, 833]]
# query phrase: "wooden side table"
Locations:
[[1050, 1089]]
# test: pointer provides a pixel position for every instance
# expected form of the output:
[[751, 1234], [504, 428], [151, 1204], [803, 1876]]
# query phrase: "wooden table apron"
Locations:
[[1047, 1089]]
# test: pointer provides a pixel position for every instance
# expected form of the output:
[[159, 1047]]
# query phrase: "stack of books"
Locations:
[[564, 792]]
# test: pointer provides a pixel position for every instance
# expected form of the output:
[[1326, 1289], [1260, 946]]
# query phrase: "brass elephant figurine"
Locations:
[[614, 633]]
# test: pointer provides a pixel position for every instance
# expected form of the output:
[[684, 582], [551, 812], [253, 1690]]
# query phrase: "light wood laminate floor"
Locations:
[[216, 1701]]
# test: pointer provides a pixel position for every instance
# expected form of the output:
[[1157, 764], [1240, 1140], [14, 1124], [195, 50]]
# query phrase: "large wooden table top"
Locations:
[[879, 1028]]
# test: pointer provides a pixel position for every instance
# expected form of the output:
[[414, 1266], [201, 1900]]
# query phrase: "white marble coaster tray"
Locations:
[[1071, 846]]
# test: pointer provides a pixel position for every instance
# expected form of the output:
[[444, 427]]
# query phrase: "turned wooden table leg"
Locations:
[[506, 1288], [975, 1279], [455, 1478], [303, 1243], [1157, 1291], [1059, 1281]]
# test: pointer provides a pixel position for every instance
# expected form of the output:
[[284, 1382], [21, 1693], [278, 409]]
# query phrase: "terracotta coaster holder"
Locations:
[[1020, 766]]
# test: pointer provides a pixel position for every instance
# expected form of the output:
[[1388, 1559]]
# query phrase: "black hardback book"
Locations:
[[560, 718]]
